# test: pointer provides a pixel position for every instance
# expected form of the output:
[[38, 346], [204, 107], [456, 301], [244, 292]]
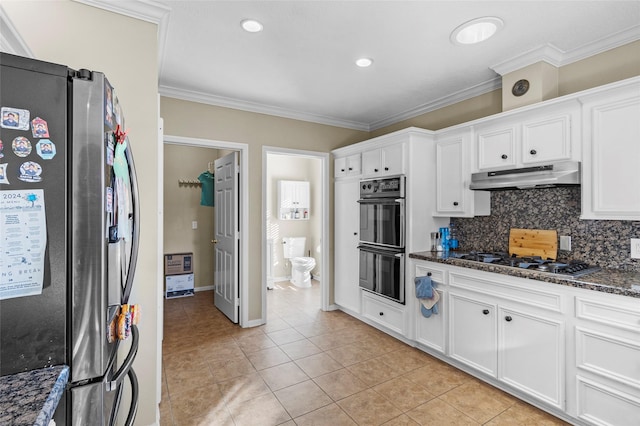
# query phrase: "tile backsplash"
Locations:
[[601, 242]]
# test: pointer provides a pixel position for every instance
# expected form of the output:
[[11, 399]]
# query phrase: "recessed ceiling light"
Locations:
[[476, 30], [364, 62], [251, 25]]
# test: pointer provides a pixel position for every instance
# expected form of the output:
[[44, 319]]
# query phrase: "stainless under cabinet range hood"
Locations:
[[544, 176]]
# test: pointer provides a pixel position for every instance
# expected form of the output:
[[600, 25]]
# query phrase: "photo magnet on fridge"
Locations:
[[13, 118], [108, 104], [30, 171], [3, 174], [21, 146], [39, 128], [46, 149], [1, 149]]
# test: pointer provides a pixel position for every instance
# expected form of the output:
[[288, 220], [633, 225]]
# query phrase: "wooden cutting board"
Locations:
[[534, 242]]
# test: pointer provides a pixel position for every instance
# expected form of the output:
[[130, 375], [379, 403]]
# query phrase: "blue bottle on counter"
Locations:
[[453, 239], [444, 239]]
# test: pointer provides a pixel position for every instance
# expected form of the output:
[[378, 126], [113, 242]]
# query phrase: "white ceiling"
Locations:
[[302, 64]]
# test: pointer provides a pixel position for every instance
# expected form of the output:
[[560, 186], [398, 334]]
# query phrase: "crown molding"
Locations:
[[193, 96], [144, 10], [558, 58], [462, 95], [10, 39]]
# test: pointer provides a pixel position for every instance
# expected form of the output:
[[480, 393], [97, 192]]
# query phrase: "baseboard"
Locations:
[[205, 288]]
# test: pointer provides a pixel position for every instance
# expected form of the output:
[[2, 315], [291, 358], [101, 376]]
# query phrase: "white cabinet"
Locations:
[[510, 335], [293, 200], [453, 168], [431, 332], [348, 166], [536, 136], [346, 227], [611, 128], [607, 359], [384, 161], [385, 313]]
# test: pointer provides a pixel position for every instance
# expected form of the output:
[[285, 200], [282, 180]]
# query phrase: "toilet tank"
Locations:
[[293, 247]]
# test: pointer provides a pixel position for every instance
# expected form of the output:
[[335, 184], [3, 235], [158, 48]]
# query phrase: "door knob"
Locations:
[[214, 241]]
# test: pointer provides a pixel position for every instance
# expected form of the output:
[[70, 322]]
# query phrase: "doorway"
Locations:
[[280, 164], [222, 148]]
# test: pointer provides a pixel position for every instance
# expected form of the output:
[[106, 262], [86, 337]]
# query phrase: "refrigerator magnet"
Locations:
[[3, 174], [30, 171], [1, 149], [109, 201], [108, 105], [21, 146], [39, 128], [46, 149], [13, 118]]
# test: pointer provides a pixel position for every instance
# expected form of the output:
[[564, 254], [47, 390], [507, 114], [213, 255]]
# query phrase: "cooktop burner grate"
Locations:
[[570, 268]]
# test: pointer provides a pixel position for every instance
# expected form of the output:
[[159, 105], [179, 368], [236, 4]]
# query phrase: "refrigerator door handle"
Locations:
[[133, 408], [126, 366], [135, 240]]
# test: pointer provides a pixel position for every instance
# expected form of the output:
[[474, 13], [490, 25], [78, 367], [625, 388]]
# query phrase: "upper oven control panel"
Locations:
[[391, 187]]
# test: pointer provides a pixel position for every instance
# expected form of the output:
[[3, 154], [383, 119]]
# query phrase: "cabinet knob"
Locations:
[[342, 170], [455, 203], [386, 169], [381, 313], [533, 152], [350, 168], [508, 318], [375, 170], [355, 233], [504, 156], [485, 311], [428, 274]]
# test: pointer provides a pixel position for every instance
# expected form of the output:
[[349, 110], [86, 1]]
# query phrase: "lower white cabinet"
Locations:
[[386, 313], [607, 359], [431, 332], [510, 332]]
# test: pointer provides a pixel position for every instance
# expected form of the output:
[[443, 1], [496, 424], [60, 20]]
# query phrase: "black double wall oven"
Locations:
[[382, 235]]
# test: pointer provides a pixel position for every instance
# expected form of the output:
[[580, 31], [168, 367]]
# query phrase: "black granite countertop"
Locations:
[[31, 398], [615, 281]]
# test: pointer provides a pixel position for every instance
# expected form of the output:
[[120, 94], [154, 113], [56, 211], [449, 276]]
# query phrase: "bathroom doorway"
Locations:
[[280, 167]]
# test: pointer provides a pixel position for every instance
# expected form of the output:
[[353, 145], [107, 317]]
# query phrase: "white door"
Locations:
[[226, 236]]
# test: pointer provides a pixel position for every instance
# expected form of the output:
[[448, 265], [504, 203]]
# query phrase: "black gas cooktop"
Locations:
[[569, 269]]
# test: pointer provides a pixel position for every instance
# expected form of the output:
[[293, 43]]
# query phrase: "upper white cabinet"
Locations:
[[385, 161], [611, 128], [534, 136], [348, 166], [293, 200], [453, 168]]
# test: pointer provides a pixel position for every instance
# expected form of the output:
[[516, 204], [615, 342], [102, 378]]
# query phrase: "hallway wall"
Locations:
[[182, 207]]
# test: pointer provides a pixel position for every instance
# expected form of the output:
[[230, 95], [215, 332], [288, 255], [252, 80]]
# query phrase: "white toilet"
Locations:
[[293, 248]]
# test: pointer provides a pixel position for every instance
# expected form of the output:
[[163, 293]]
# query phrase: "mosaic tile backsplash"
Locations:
[[601, 242]]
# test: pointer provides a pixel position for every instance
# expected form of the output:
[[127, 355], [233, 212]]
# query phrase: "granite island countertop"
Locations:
[[614, 281], [31, 398]]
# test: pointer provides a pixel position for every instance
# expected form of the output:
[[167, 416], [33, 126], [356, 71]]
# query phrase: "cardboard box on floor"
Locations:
[[178, 286], [178, 263]]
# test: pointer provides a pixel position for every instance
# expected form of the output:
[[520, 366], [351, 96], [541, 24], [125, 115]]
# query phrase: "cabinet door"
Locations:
[[371, 164], [340, 167], [472, 333], [302, 199], [393, 160], [354, 165], [531, 355], [449, 179], [496, 147], [611, 156], [431, 331], [346, 288], [546, 139]]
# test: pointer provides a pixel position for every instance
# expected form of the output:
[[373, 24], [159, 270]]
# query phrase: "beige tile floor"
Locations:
[[308, 367]]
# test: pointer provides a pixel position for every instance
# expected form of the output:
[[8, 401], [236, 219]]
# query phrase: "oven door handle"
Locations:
[[380, 250], [382, 201]]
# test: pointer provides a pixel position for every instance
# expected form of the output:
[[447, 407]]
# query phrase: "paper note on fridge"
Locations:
[[23, 243]]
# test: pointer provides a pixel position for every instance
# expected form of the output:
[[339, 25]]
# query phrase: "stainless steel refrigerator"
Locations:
[[69, 210]]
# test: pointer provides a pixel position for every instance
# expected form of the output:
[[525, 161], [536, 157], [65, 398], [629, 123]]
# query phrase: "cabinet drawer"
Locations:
[[602, 405], [383, 313], [437, 275], [607, 356], [620, 314]]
